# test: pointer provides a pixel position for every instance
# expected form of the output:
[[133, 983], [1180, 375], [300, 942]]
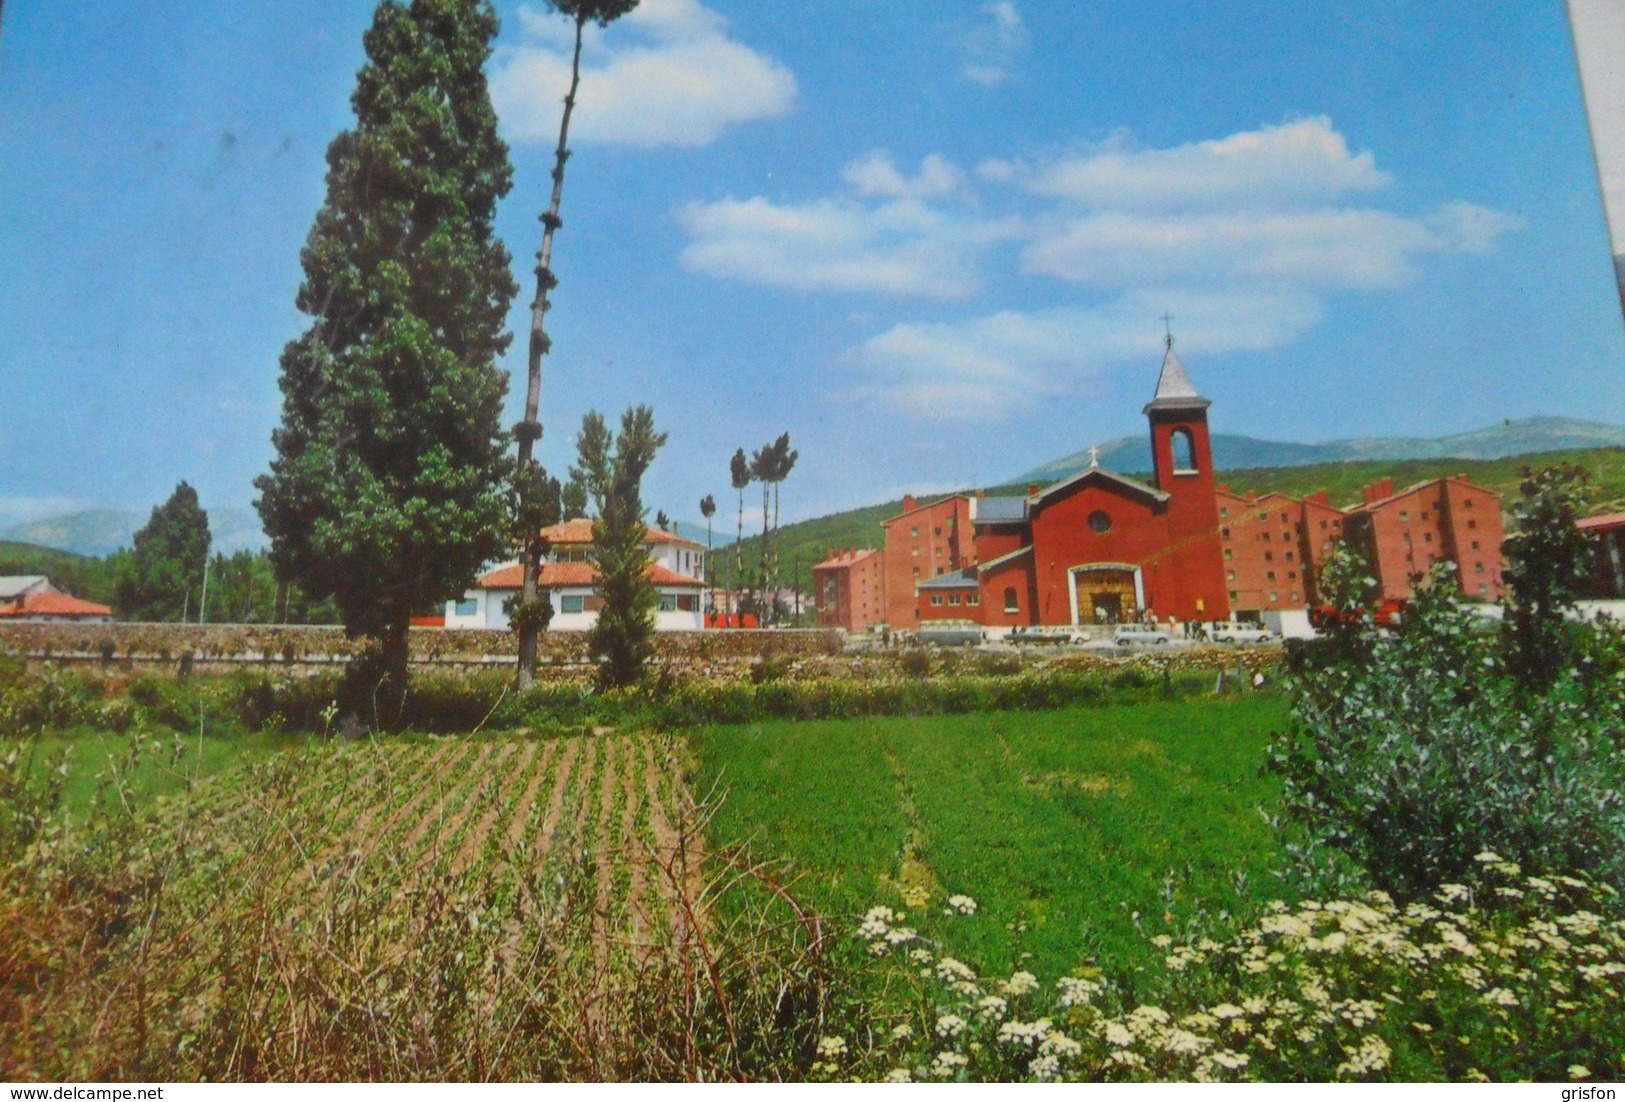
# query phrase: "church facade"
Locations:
[[1102, 547], [1099, 547]]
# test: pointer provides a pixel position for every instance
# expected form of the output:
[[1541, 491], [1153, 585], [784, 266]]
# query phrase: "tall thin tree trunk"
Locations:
[[775, 572], [739, 553], [761, 565], [530, 430]]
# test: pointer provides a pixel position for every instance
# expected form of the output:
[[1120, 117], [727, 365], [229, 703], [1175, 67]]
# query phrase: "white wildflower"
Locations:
[[961, 904], [1076, 991], [947, 1063], [898, 1075], [1372, 1055], [831, 1047], [950, 1025], [1118, 1034], [1044, 1068], [1022, 983], [1227, 1059], [992, 1006]]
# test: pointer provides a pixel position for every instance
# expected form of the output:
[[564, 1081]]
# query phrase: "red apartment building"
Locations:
[[1101, 547], [923, 542], [849, 590]]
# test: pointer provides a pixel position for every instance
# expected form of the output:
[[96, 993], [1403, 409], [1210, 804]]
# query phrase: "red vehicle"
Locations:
[[1388, 614]]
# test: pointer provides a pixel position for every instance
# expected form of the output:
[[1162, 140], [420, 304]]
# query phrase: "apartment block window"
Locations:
[[1427, 537], [915, 552], [1286, 519], [1478, 567], [1471, 523], [1322, 526], [1223, 511], [1263, 517], [936, 599], [1424, 514], [1269, 556], [1475, 545], [916, 573], [953, 599], [1229, 575], [1290, 574], [936, 531], [1288, 556], [973, 598], [1274, 597], [1467, 503], [1233, 597], [1229, 553], [915, 532], [1224, 533], [1270, 577], [1295, 597]]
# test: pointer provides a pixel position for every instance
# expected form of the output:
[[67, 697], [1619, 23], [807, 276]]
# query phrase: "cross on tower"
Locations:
[[1094, 457], [1168, 327]]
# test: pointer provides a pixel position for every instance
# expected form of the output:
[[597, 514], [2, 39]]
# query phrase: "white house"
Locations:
[[676, 566]]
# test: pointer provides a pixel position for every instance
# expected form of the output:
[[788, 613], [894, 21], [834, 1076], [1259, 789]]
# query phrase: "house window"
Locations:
[[687, 602], [953, 599], [1010, 602], [668, 602], [915, 532], [468, 606], [973, 598], [936, 599], [1100, 522], [571, 604], [1285, 519]]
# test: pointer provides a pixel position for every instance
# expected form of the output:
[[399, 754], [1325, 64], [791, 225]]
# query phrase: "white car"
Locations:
[[1241, 633], [1139, 635]]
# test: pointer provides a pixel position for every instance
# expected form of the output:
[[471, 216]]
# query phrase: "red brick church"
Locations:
[[1101, 547]]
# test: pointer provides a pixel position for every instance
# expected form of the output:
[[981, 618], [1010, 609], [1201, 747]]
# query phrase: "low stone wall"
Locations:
[[236, 645]]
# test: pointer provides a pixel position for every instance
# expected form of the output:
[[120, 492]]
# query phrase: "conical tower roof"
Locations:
[[1174, 388]]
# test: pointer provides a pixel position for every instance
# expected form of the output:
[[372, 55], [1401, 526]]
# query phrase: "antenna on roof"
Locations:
[[1168, 328]]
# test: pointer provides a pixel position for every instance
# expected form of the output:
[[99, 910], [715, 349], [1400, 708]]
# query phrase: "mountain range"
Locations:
[[103, 531], [1132, 454]]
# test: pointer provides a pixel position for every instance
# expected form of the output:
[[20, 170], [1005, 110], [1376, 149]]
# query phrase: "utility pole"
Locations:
[[203, 602]]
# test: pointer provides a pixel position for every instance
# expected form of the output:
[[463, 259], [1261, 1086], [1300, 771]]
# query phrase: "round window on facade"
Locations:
[[1100, 522]]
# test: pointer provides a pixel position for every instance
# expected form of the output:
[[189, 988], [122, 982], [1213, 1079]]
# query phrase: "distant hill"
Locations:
[[100, 532], [1130, 454], [76, 574]]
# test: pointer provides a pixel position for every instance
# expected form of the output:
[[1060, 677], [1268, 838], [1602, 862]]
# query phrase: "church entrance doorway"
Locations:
[[1105, 594]]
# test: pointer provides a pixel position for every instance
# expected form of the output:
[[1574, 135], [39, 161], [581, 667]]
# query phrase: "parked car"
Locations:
[[1139, 635], [1043, 635], [1241, 633], [1388, 614]]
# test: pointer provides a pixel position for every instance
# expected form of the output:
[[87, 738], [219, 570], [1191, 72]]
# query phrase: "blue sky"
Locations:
[[933, 242]]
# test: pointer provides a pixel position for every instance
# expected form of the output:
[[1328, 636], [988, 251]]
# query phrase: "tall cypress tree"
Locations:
[[387, 490]]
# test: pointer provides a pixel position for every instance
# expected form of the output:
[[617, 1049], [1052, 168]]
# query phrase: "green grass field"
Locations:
[[1062, 825]]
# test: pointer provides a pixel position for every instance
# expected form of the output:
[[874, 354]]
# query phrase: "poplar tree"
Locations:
[[622, 637], [529, 430], [388, 489]]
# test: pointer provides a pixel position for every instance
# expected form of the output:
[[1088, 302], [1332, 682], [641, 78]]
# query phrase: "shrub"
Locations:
[[916, 662], [1431, 750]]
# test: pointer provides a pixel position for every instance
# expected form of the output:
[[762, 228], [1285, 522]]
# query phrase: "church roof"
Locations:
[[959, 579], [1103, 475], [1000, 510], [1174, 387]]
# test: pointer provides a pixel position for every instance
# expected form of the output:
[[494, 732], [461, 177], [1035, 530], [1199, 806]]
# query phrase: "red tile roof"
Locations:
[[53, 604], [579, 531], [558, 574]]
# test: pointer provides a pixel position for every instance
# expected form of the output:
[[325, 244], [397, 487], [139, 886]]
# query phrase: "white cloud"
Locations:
[[1292, 164], [993, 48], [898, 246], [666, 74], [1326, 247], [1243, 237], [1007, 363], [876, 175]]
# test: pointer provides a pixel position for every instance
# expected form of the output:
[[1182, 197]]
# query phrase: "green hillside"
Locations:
[[810, 541]]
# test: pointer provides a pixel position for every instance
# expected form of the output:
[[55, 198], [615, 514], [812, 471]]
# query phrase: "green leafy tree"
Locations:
[[162, 579], [622, 637], [783, 461], [529, 430], [1547, 560], [387, 490], [662, 521], [574, 500]]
